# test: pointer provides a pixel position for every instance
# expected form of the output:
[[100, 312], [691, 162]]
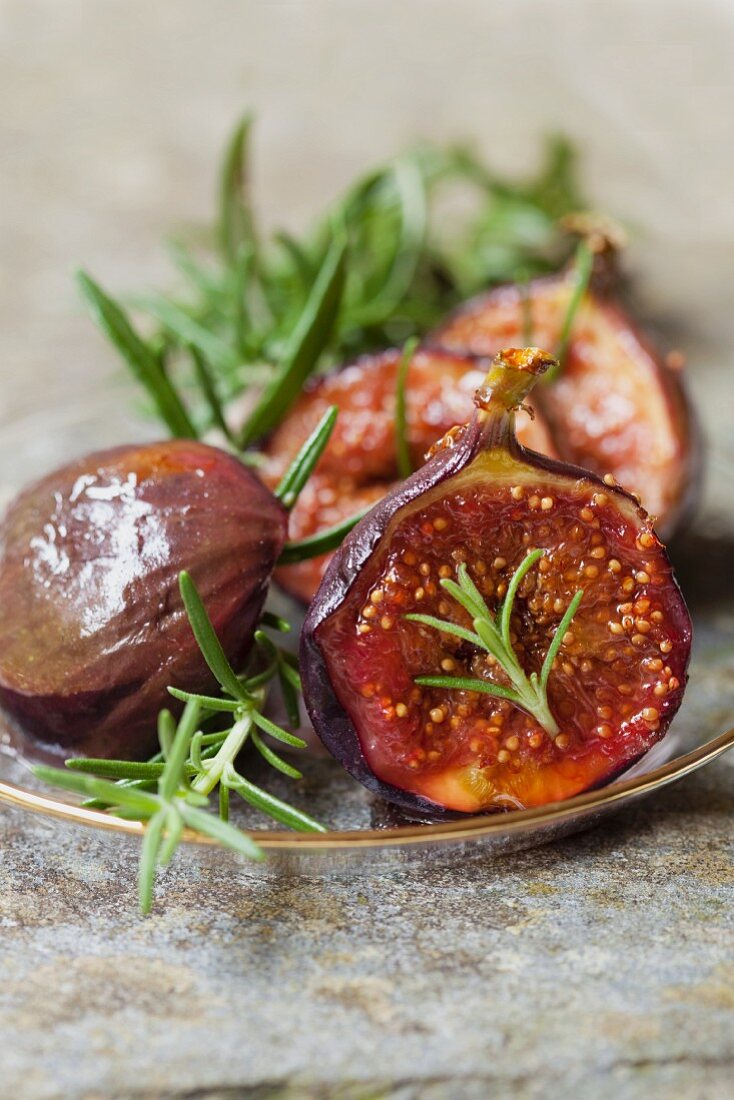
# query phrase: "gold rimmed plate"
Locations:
[[367, 824], [358, 823]]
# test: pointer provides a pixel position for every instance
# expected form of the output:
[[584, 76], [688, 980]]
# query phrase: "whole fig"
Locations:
[[92, 626]]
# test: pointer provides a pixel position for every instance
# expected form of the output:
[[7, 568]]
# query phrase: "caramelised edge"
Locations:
[[288, 577], [330, 719], [671, 383]]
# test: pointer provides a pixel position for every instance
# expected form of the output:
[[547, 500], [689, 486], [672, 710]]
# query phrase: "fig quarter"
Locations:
[[480, 509]]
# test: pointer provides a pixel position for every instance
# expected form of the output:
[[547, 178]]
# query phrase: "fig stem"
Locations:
[[510, 378], [492, 633]]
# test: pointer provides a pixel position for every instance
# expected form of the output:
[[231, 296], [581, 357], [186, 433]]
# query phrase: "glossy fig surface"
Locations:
[[616, 406], [478, 512], [360, 463], [92, 627]]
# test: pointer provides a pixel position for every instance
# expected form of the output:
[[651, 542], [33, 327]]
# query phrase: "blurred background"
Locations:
[[113, 117]]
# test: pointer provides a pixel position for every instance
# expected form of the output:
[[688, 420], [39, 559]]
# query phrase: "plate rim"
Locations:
[[481, 825]]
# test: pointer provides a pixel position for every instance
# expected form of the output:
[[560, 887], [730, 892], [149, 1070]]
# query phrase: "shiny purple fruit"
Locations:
[[92, 626]]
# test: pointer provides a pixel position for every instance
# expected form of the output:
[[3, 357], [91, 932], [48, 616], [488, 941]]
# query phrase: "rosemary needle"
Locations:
[[321, 543], [305, 461], [170, 792], [582, 268], [139, 357], [307, 342], [491, 632]]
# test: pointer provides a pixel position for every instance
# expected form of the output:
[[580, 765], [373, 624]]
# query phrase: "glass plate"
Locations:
[[358, 822]]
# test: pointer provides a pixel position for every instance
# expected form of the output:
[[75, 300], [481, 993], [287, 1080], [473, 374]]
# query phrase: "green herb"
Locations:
[[582, 268], [491, 632], [188, 331], [516, 233], [405, 466], [166, 813], [305, 461], [207, 385], [407, 247], [235, 227], [266, 312], [170, 792], [139, 357], [308, 340], [322, 543]]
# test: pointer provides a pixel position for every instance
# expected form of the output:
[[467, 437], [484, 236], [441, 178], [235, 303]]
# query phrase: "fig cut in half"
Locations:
[[502, 630], [92, 625], [360, 463], [615, 405]]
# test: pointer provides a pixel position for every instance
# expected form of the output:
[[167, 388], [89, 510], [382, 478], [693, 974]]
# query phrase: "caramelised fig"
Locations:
[[615, 406], [92, 626], [502, 630], [360, 463]]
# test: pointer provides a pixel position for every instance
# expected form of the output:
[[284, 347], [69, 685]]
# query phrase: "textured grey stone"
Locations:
[[601, 966]]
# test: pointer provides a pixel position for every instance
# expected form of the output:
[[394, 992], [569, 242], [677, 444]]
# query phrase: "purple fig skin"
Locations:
[[329, 717], [92, 626]]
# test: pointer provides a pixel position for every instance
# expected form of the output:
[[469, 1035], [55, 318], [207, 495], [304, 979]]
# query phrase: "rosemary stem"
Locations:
[[492, 632], [207, 780]]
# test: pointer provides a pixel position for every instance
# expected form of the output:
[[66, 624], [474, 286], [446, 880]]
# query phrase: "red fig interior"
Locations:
[[614, 686], [360, 465], [614, 407]]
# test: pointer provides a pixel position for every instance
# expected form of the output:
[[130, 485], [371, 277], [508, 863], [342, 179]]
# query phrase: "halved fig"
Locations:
[[616, 406], [360, 463], [502, 630], [92, 626]]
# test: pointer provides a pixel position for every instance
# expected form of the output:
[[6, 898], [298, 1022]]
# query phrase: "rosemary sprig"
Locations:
[[235, 224], [491, 632], [171, 791], [139, 357], [307, 342], [264, 312], [173, 807]]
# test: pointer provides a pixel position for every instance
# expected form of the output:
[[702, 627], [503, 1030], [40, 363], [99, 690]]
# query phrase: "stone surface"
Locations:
[[602, 965]]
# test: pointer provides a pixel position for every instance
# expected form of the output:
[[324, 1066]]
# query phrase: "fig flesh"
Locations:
[[477, 510], [360, 463], [92, 626], [615, 406]]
